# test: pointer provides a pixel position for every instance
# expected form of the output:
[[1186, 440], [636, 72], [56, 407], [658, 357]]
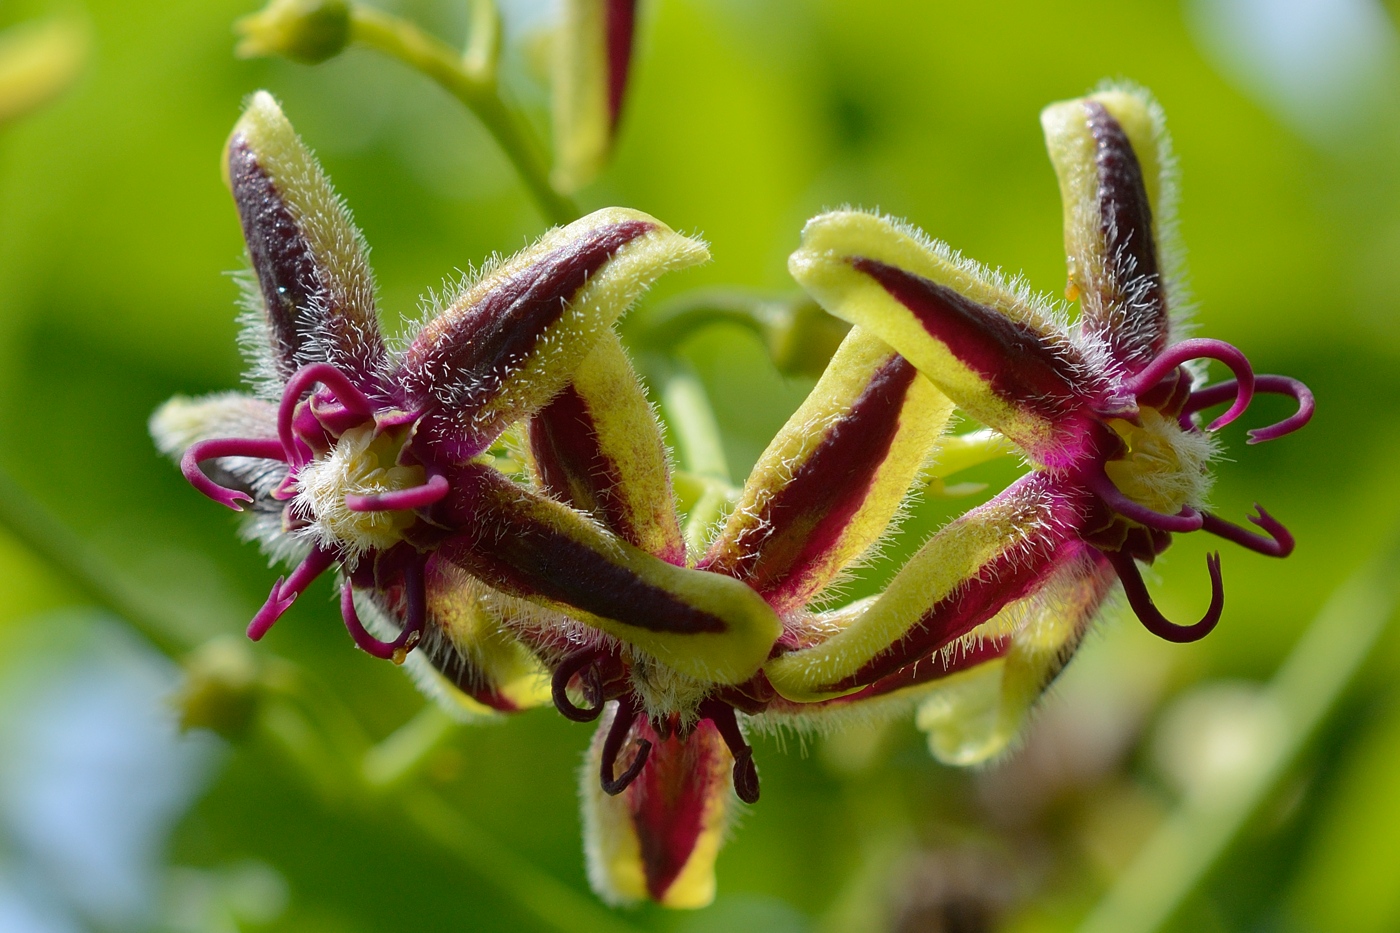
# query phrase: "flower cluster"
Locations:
[[497, 498]]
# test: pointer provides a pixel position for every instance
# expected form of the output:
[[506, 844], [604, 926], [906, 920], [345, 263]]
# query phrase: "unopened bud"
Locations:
[[307, 31], [220, 690]]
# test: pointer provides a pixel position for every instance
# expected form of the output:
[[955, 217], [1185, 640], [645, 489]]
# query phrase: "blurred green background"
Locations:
[[745, 118]]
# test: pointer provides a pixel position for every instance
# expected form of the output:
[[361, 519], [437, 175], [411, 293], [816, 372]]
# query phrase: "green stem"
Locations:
[[402, 755], [472, 80], [1195, 838], [687, 410]]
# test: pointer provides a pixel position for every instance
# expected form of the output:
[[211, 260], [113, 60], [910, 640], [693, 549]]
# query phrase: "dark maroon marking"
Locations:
[[807, 516], [1148, 613], [583, 662], [1125, 222], [468, 351], [1277, 542], [934, 667], [296, 301], [510, 545], [669, 800], [621, 18], [1018, 364], [1002, 580], [573, 467]]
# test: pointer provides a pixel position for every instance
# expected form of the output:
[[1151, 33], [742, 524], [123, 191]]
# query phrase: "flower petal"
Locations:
[[999, 552], [512, 340], [1113, 158], [974, 715], [315, 286], [593, 56], [659, 838], [1002, 356], [831, 481], [597, 447], [703, 625]]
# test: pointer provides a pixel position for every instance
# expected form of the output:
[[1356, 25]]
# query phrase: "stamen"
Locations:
[[408, 639], [257, 448], [414, 497], [745, 773], [1196, 349], [1279, 542], [1148, 613], [285, 593], [1273, 385], [345, 392], [1188, 519], [592, 684], [612, 745]]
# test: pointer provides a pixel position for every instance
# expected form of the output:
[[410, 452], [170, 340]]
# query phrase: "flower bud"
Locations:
[[307, 31], [220, 689]]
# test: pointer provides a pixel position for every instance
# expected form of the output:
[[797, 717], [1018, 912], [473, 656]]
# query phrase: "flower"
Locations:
[[1105, 410], [351, 454]]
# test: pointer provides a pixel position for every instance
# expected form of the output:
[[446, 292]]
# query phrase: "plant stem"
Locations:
[[1195, 838], [472, 80]]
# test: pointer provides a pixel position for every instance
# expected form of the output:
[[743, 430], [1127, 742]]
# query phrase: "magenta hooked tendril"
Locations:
[[346, 393], [1187, 520], [414, 497], [285, 593], [1147, 611], [195, 454], [415, 598], [1277, 543], [1196, 349], [1269, 384]]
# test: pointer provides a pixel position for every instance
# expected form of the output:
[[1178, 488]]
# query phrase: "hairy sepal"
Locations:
[[975, 715], [1000, 354], [314, 282], [963, 576], [703, 625], [1113, 159], [598, 447], [831, 481], [514, 338]]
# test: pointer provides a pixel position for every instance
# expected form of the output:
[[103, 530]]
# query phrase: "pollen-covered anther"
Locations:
[[1162, 467]]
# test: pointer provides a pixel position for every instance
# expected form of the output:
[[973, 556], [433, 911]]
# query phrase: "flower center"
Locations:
[[362, 463], [1163, 468]]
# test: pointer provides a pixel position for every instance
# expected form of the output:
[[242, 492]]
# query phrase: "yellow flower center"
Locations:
[[362, 463], [1164, 467]]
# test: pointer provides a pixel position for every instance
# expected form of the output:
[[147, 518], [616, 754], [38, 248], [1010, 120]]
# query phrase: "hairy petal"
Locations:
[[658, 839], [999, 552], [1113, 159], [513, 339], [1000, 355], [597, 447], [976, 714], [317, 292], [831, 481], [703, 625], [593, 57]]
